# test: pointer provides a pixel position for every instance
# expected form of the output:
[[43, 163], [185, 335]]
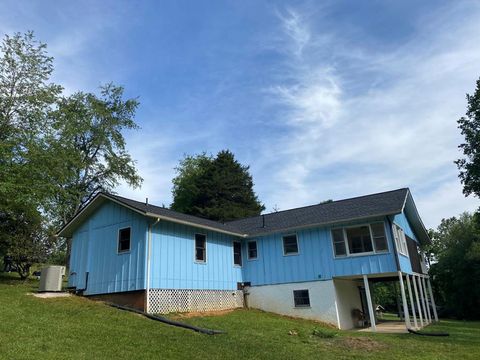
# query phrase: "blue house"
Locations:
[[314, 262]]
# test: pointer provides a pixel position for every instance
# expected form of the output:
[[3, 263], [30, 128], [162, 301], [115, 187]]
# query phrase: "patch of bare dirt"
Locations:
[[200, 314], [362, 343]]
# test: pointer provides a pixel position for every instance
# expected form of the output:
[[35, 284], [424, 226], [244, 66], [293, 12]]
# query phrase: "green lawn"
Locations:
[[76, 328]]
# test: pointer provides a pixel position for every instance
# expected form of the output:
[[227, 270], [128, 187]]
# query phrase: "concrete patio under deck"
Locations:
[[389, 327]]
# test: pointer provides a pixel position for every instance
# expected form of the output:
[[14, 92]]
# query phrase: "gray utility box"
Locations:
[[51, 278]]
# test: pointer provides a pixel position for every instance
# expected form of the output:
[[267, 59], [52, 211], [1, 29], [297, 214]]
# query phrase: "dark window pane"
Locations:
[[340, 249], [124, 240], [237, 253], [252, 250], [200, 247], [339, 242], [359, 240], [290, 244], [301, 298], [379, 238]]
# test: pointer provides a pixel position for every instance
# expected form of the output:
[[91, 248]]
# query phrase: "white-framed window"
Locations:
[[359, 240], [338, 238], [124, 236], [400, 240], [290, 244], [301, 298], [237, 253], [252, 251], [201, 248]]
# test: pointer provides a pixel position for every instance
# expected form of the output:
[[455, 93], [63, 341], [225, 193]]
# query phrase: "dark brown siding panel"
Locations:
[[414, 255], [134, 299]]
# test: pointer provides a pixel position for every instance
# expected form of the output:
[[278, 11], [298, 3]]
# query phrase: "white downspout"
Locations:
[[149, 246]]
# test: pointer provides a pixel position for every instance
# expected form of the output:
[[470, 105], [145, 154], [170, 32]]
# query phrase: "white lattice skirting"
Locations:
[[162, 301]]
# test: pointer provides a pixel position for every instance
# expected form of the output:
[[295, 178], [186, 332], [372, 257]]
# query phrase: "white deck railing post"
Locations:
[[434, 307], [426, 300], [418, 300], [412, 303], [422, 296], [369, 303], [404, 301]]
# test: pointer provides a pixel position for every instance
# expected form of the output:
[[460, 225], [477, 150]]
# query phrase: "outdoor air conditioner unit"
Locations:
[[51, 278]]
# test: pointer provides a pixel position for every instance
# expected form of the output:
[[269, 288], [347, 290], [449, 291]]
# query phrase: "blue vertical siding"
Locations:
[[315, 260], [173, 266], [402, 221], [94, 250], [173, 263]]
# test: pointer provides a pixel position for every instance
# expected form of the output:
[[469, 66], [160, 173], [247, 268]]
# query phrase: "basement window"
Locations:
[[290, 245], [237, 253], [200, 248], [252, 250], [124, 240], [301, 298]]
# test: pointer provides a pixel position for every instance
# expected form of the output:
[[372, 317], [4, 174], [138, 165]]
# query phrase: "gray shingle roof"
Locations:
[[386, 203], [175, 215]]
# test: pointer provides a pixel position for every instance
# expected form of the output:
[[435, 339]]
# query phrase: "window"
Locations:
[[252, 250], [339, 242], [379, 238], [400, 240], [364, 239], [359, 240], [301, 298], [124, 240], [290, 245], [237, 253], [200, 247]]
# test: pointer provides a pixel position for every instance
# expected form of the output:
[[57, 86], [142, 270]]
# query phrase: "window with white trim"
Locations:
[[200, 248], [400, 240], [237, 253], [124, 240], [290, 244], [339, 242], [252, 250], [361, 239], [379, 238]]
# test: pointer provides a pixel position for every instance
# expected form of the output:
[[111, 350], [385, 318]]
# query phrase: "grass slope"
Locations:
[[76, 328]]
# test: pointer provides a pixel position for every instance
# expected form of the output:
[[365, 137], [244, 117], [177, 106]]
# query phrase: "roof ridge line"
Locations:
[[307, 206]]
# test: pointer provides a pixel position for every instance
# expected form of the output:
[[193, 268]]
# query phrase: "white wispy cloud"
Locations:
[[398, 130]]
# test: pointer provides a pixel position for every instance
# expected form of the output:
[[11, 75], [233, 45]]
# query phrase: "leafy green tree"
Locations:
[[469, 166], [456, 272], [22, 238], [185, 185], [217, 188], [26, 99], [56, 152], [90, 148]]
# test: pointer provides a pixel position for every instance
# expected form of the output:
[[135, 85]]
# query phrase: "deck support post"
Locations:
[[371, 313], [427, 300], [417, 299], [434, 307], [412, 303], [422, 296], [404, 301]]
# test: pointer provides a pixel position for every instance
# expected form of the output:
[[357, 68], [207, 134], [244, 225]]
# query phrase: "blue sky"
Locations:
[[324, 100]]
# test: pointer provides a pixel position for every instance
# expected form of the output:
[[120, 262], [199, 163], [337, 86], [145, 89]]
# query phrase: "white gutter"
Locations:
[[149, 245]]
